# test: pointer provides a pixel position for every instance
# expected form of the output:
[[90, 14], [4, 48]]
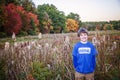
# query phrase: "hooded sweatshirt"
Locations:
[[84, 57]]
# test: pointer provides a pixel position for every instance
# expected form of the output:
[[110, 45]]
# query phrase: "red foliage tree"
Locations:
[[24, 17], [34, 17], [13, 23], [18, 19]]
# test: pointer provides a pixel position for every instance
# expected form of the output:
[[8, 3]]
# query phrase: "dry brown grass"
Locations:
[[54, 50]]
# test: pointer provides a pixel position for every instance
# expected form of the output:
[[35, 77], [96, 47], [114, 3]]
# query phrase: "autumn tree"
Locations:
[[34, 22], [108, 27], [17, 16], [74, 16], [19, 19], [3, 15], [34, 18], [29, 20], [24, 17], [46, 23], [28, 5], [71, 25], [55, 16], [13, 22]]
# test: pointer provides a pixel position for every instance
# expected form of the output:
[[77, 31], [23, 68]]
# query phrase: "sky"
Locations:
[[88, 10]]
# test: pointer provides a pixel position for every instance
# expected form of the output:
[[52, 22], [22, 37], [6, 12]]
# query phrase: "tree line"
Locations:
[[23, 18], [102, 25]]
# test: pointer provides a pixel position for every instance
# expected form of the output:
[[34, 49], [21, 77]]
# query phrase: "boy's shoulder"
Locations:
[[77, 43], [88, 43]]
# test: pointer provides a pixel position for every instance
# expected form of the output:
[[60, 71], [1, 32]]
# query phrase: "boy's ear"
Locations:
[[78, 34]]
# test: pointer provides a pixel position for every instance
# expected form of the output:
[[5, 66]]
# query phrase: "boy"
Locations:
[[84, 54]]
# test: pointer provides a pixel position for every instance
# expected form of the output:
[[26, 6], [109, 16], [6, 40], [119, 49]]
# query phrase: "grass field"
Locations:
[[49, 58]]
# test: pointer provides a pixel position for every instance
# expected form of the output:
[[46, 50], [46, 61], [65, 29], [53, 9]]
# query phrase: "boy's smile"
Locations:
[[83, 37]]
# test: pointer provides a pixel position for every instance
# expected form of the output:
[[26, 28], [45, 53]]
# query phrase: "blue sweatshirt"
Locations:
[[84, 57]]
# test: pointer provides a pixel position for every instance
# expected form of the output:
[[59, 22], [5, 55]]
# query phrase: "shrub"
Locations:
[[31, 32], [23, 33], [2, 69], [40, 71], [2, 35]]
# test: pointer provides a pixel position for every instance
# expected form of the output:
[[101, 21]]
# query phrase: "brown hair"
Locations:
[[82, 30]]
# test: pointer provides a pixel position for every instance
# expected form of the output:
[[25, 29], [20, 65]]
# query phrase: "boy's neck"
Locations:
[[84, 42]]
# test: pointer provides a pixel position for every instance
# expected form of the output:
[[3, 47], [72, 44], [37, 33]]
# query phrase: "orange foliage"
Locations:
[[71, 25], [108, 26], [30, 77], [29, 14], [20, 9], [34, 17], [12, 7]]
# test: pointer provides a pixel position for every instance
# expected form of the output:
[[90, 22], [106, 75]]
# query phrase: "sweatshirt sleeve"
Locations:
[[94, 50], [75, 61], [74, 55]]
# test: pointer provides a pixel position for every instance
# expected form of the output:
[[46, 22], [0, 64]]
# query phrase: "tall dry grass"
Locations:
[[54, 51]]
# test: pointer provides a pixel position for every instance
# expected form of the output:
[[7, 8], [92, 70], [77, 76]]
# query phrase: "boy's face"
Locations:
[[83, 37]]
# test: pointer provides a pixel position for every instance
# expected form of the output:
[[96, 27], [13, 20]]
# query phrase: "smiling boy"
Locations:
[[84, 57]]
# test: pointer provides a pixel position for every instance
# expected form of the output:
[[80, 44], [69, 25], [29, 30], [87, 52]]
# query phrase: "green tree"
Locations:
[[116, 24], [46, 23], [28, 5], [3, 15], [23, 12], [57, 17], [108, 27], [75, 17]]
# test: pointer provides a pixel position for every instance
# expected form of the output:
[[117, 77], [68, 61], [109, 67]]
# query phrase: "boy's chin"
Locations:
[[84, 40]]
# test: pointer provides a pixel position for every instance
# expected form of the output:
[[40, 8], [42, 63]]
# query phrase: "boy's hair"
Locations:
[[82, 30]]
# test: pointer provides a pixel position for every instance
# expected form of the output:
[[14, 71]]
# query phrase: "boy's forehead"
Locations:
[[83, 33]]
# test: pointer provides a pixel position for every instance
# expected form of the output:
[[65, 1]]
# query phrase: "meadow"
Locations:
[[49, 57]]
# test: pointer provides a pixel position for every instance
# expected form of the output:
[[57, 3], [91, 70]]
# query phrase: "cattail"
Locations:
[[103, 38], [39, 46], [12, 62], [7, 45], [15, 44], [94, 40], [46, 45], [55, 49], [13, 37], [114, 45], [48, 65], [39, 36], [67, 40]]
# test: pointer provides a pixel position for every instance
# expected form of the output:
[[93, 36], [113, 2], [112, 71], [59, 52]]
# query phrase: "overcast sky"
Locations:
[[88, 10]]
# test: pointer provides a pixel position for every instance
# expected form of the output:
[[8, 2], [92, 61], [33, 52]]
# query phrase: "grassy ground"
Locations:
[[51, 49], [46, 36]]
